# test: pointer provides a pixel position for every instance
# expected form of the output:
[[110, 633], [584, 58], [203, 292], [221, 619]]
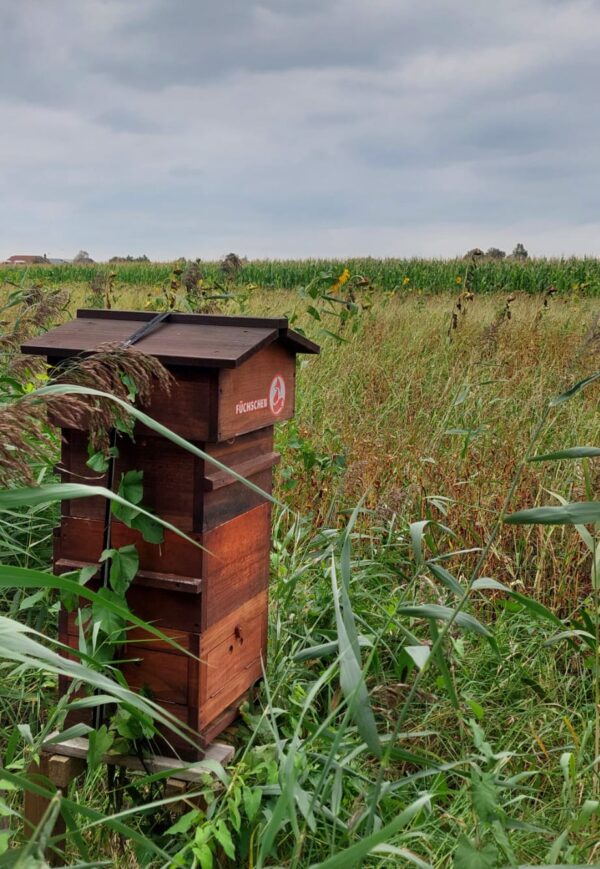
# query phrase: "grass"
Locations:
[[415, 421]]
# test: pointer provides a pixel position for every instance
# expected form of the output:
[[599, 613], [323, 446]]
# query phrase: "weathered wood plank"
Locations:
[[218, 752]]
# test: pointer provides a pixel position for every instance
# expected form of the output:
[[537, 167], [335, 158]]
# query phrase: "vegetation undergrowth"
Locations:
[[431, 694]]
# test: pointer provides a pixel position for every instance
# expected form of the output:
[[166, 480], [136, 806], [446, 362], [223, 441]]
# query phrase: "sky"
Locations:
[[299, 128]]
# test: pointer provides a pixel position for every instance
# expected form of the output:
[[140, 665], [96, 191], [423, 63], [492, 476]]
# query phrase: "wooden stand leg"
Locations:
[[61, 771]]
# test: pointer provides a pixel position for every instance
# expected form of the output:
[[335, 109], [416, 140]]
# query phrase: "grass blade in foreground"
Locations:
[[32, 495], [578, 513], [351, 856], [68, 389], [352, 680]]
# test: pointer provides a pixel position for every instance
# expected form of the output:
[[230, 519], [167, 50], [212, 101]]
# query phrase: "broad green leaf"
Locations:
[[204, 855], [131, 486], [576, 513], [589, 810], [185, 823], [467, 856], [252, 798], [485, 796], [98, 462], [124, 563], [223, 837], [111, 623], [99, 742], [353, 855], [570, 453]]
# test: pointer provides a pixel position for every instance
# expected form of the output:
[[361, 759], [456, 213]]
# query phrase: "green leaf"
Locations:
[[149, 527], [223, 837], [565, 396], [111, 623], [99, 742], [252, 799], [352, 680], [446, 578], [124, 563], [204, 855], [571, 453], [445, 613], [98, 462], [577, 513], [476, 708], [485, 797], [353, 855], [467, 856], [185, 823], [569, 635], [131, 486], [132, 725], [419, 654], [533, 606]]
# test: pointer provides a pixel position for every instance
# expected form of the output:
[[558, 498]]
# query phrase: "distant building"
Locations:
[[57, 261], [22, 259]]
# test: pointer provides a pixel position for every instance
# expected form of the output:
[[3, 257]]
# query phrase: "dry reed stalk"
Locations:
[[25, 432]]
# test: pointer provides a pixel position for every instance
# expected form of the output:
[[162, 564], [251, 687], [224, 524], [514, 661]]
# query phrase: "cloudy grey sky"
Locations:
[[289, 128]]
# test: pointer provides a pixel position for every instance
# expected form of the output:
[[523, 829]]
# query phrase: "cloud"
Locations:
[[278, 128]]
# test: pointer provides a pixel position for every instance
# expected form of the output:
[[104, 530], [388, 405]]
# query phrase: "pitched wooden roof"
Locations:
[[207, 340]]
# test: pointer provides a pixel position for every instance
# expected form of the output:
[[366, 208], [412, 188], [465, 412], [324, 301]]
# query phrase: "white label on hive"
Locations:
[[275, 400]]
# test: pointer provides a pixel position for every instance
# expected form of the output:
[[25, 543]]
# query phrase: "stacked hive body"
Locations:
[[234, 378]]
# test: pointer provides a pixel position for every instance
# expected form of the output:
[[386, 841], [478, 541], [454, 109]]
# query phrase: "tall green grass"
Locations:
[[414, 712]]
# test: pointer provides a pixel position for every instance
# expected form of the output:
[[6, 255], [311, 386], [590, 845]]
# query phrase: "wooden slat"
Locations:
[[176, 317], [144, 578], [217, 752], [218, 479]]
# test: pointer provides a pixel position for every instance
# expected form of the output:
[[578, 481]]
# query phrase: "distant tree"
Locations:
[[519, 252], [495, 253], [129, 259], [473, 254], [83, 258]]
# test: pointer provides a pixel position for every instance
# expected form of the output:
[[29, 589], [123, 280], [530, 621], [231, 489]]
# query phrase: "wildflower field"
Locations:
[[431, 696]]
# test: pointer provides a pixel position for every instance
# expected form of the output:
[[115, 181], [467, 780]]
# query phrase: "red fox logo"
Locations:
[[277, 394]]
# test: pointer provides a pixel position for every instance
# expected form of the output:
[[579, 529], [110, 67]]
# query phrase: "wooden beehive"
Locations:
[[235, 378]]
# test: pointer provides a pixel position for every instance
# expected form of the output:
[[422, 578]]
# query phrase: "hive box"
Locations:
[[234, 378]]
